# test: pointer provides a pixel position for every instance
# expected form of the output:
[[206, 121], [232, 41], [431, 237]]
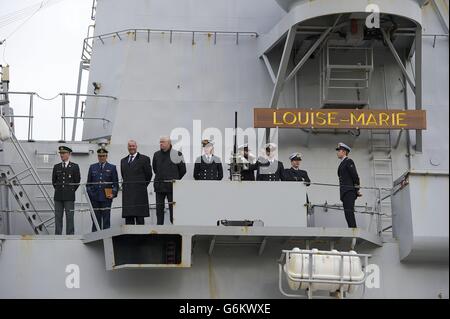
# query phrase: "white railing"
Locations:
[[64, 117]]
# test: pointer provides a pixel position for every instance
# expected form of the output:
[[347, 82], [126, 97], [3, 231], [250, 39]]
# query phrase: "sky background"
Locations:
[[44, 54]]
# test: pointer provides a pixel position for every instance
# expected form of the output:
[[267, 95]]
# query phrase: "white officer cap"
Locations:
[[241, 147], [296, 156], [343, 146], [271, 146]]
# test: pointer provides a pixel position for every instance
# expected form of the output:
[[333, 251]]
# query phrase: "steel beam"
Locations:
[[280, 80], [442, 11], [309, 53], [269, 68], [398, 59], [418, 74]]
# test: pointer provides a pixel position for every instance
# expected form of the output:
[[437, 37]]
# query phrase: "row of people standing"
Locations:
[[168, 165], [209, 166], [103, 185]]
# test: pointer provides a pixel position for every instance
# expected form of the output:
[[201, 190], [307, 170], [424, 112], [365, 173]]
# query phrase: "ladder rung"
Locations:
[[20, 173], [382, 159], [46, 221]]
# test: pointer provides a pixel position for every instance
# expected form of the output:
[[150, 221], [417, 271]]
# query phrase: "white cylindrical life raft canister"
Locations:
[[4, 130], [324, 267]]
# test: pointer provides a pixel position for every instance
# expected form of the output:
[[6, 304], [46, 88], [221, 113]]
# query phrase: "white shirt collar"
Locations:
[[343, 158], [66, 162]]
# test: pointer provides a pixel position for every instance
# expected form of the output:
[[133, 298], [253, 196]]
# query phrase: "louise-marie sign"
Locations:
[[340, 119]]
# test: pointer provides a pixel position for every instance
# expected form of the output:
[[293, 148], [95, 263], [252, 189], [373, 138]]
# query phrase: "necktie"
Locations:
[[131, 159], [64, 164], [101, 166]]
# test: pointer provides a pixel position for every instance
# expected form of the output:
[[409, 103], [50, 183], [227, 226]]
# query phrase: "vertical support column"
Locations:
[[281, 75], [63, 118], [30, 119], [418, 82], [77, 101]]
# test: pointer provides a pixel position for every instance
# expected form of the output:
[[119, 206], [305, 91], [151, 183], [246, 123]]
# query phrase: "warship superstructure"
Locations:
[[183, 68]]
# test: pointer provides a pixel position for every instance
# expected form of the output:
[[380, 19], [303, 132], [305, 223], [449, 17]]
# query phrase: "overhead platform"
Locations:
[[149, 246]]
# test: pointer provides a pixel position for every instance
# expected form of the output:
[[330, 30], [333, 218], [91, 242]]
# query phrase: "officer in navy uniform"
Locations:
[[295, 174], [65, 180], [248, 172], [268, 168], [348, 183], [208, 167], [102, 187]]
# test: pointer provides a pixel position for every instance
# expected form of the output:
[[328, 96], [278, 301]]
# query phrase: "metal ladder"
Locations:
[[345, 76], [381, 156], [13, 181]]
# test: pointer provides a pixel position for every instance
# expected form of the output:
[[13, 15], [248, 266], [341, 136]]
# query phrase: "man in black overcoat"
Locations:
[[136, 171], [168, 165]]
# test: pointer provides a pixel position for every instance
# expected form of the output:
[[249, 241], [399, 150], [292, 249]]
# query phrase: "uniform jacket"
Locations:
[[348, 177], [208, 170], [136, 177], [294, 175], [168, 166], [61, 180], [267, 171], [108, 176], [248, 174]]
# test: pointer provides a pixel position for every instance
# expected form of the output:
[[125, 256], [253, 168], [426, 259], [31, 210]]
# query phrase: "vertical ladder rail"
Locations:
[[382, 157]]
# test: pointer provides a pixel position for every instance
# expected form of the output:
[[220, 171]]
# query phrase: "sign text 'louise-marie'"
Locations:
[[343, 118]]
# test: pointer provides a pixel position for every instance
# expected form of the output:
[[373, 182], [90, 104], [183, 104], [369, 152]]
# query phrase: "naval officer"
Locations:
[[268, 168], [348, 183], [102, 187], [65, 180], [295, 173], [249, 165], [208, 167]]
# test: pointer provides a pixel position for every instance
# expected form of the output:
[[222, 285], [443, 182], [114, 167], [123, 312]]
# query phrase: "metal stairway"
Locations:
[[25, 204]]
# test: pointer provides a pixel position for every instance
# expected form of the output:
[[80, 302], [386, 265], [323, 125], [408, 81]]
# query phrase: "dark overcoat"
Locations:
[[136, 176]]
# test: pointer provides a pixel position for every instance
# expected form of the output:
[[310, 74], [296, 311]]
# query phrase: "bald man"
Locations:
[[136, 173]]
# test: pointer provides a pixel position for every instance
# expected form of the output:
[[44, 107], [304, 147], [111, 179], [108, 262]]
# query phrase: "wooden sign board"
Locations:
[[340, 119]]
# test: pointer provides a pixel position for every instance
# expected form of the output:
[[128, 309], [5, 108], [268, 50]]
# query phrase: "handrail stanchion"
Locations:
[[379, 212], [91, 209], [30, 119], [63, 118]]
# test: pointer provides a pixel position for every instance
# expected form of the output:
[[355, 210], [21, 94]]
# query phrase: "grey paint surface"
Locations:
[[421, 218], [162, 86], [197, 204]]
